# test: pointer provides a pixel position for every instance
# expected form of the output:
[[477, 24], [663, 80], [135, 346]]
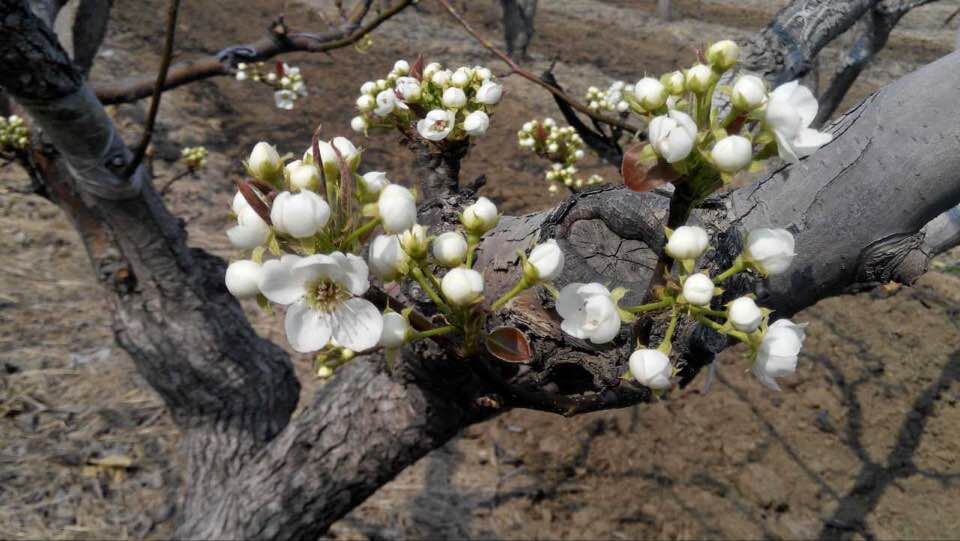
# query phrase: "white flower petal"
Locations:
[[307, 330], [357, 324], [278, 282]]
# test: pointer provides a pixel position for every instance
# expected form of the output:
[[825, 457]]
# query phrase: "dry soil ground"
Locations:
[[860, 440]]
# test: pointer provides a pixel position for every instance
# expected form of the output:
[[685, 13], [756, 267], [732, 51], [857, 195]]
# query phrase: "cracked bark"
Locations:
[[255, 472]]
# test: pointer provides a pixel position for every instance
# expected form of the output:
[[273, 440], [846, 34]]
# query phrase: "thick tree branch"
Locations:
[[279, 41]]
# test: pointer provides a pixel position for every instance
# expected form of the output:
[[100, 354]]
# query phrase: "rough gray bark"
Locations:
[[856, 207], [664, 10]]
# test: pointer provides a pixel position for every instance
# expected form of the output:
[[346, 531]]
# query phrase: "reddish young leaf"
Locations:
[[416, 70], [253, 199], [346, 180], [509, 344], [315, 148], [642, 177]]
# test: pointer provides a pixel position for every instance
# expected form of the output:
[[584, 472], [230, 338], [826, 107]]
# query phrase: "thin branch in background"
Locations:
[[515, 68], [605, 146], [173, 9], [224, 62], [182, 174]]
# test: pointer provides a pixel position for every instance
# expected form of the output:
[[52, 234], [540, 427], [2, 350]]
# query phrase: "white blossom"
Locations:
[[476, 123], [698, 289], [699, 78], [723, 54], [673, 135], [394, 332], [402, 67], [438, 124], [650, 93], [441, 77], [387, 259], [778, 352], [284, 99], [374, 182], [450, 249], [299, 214], [359, 124], [366, 103], [770, 250], [547, 260], [462, 286], [397, 208], [588, 312], [409, 88], [386, 103], [243, 278], [454, 98], [687, 242], [251, 230], [732, 153], [321, 293], [489, 93], [652, 368], [791, 109], [328, 158], [303, 176], [749, 92], [461, 77], [414, 241], [480, 217], [744, 314], [264, 162]]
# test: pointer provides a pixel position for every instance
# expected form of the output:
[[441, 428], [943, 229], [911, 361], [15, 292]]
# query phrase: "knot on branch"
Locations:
[[897, 258]]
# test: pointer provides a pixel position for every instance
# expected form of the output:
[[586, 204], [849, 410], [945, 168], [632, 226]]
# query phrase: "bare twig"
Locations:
[[166, 187], [223, 63], [173, 7], [515, 68]]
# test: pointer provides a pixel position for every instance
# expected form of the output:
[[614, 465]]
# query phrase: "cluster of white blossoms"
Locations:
[[285, 79], [328, 228], [14, 133], [194, 157], [687, 134], [592, 312], [562, 146], [441, 104], [613, 99]]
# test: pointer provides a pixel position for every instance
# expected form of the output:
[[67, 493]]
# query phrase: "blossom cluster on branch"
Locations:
[[14, 134], [285, 79], [562, 146], [442, 104]]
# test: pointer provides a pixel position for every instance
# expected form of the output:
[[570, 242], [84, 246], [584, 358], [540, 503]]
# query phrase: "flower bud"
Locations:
[[483, 73], [386, 102], [441, 78], [394, 333], [397, 208], [374, 182], [328, 158], [359, 124], [366, 103], [462, 286], [476, 123], [732, 153], [401, 67], [652, 368], [454, 98], [770, 251], [299, 215], [675, 82], [480, 217], [387, 259], [264, 163], [723, 55], [778, 352], [242, 279], [450, 249], [700, 78], [251, 230], [672, 135], [414, 242], [368, 87], [489, 93], [460, 78], [698, 289], [430, 69], [650, 93], [545, 262], [687, 242], [744, 314], [303, 176], [749, 92], [409, 88]]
